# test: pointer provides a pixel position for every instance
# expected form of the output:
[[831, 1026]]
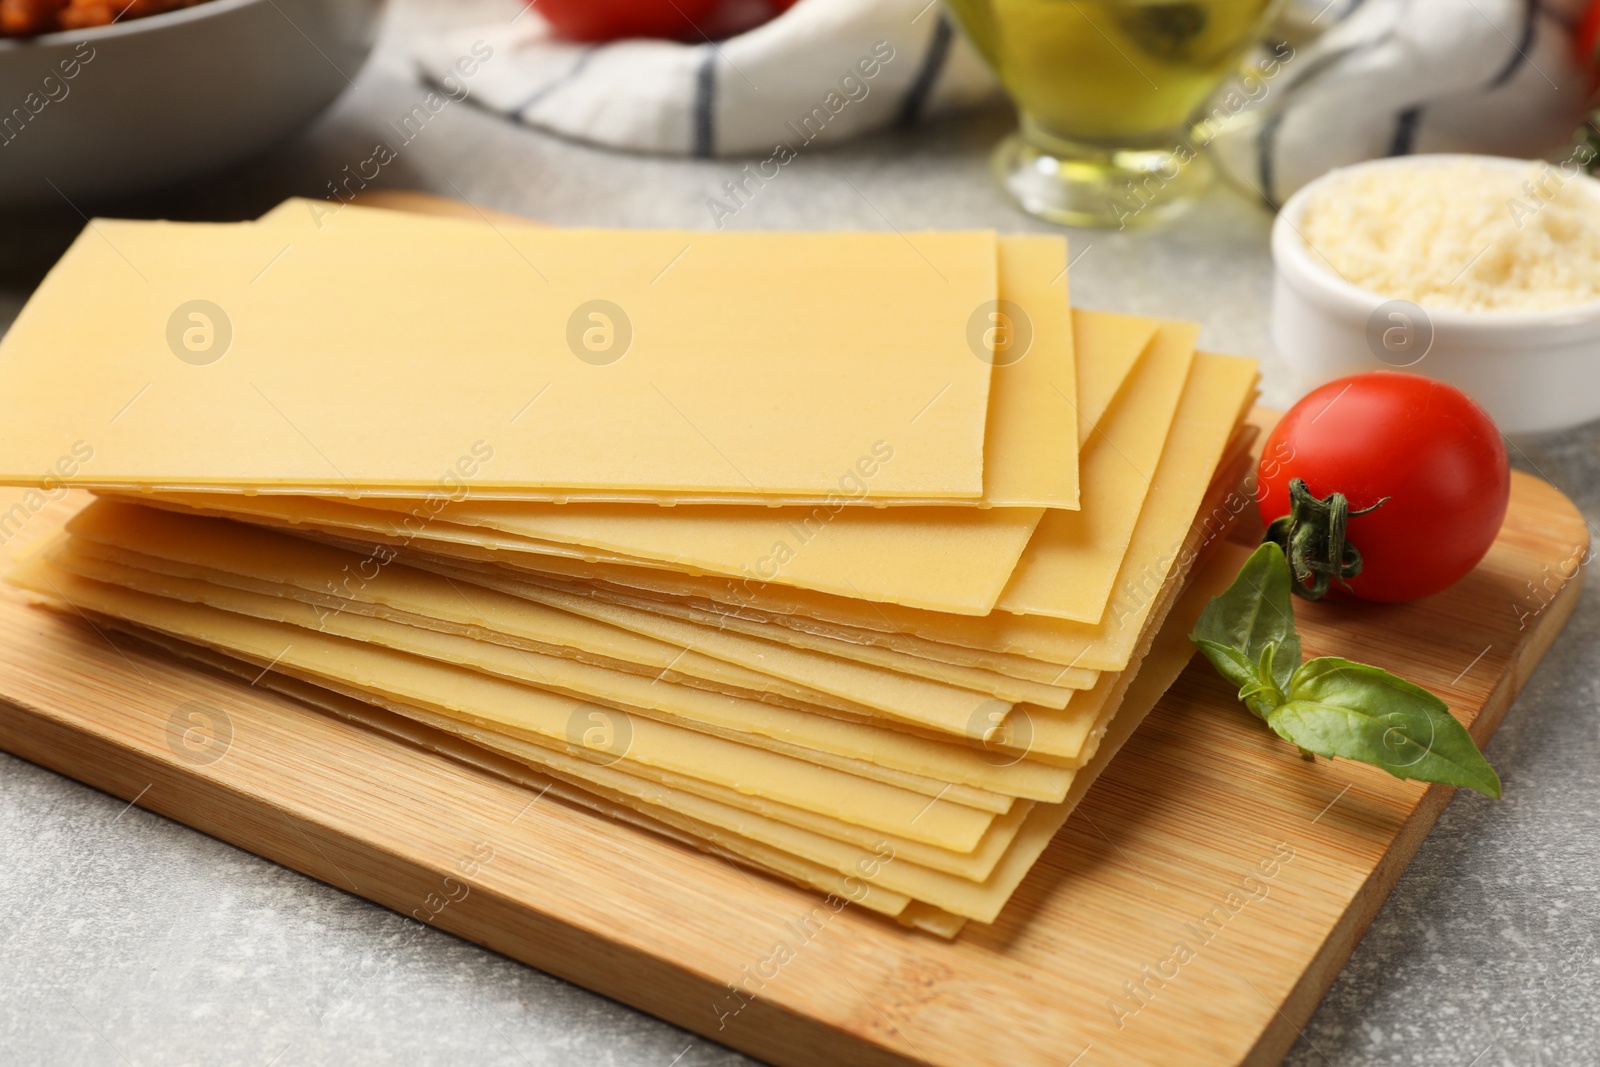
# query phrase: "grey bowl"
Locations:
[[98, 113]]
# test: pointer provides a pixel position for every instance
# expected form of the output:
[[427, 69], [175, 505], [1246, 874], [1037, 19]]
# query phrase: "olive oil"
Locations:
[[1107, 88]]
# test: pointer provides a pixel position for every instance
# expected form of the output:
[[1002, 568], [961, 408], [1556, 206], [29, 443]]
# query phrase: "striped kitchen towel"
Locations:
[[1340, 81], [822, 72], [1350, 80]]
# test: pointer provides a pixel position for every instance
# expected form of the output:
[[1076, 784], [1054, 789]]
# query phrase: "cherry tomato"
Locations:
[[1426, 461], [610, 20]]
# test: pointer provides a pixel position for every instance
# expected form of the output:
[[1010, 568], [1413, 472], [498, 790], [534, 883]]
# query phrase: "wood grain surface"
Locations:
[[1193, 911]]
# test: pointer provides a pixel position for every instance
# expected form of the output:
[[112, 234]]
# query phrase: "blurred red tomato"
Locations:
[[1589, 34], [1587, 44], [610, 20]]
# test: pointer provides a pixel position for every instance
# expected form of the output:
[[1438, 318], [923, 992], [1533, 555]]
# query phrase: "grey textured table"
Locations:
[[129, 939]]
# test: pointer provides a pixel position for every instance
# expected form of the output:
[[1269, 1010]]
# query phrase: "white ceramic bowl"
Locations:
[[170, 97], [1532, 371]]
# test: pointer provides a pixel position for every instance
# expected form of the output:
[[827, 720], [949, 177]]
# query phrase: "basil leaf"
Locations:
[[1359, 712], [1257, 610], [1232, 664]]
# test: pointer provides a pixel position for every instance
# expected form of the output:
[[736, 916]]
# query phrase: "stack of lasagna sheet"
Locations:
[[845, 555]]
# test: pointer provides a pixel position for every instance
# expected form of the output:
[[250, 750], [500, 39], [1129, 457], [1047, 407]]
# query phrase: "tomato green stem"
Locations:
[[1312, 536]]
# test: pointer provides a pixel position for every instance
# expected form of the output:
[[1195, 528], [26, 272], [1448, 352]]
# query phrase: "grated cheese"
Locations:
[[1463, 234]]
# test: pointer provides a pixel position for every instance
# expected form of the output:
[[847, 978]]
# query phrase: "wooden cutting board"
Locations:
[[1194, 910]]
